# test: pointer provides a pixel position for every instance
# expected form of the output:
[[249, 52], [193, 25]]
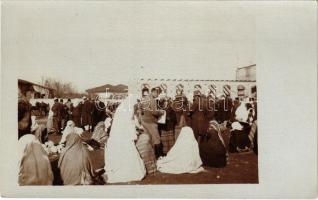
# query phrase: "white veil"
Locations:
[[123, 120], [122, 160], [183, 157]]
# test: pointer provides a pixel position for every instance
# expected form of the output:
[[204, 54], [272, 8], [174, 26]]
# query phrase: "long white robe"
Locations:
[[122, 160], [183, 157]]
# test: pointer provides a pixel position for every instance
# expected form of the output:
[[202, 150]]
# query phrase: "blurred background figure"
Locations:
[[56, 109], [77, 112], [99, 112]]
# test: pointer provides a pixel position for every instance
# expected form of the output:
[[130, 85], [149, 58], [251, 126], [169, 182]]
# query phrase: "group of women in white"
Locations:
[[122, 159]]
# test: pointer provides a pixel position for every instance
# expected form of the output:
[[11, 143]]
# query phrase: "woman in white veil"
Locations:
[[183, 157], [122, 160]]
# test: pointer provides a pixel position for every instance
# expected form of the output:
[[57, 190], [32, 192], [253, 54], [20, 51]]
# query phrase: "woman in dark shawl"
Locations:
[[199, 121], [212, 148], [74, 163]]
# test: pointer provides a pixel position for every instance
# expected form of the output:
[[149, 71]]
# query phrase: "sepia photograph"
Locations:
[[136, 93], [188, 115]]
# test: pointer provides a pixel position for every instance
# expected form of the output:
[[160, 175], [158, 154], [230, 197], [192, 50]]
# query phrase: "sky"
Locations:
[[93, 43]]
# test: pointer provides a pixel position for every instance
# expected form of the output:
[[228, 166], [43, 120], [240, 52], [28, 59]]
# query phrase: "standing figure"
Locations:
[[69, 108], [181, 107], [236, 104], [63, 114], [146, 152], [225, 105], [211, 103], [149, 119], [99, 112], [56, 116], [198, 110], [77, 112], [87, 114], [167, 129]]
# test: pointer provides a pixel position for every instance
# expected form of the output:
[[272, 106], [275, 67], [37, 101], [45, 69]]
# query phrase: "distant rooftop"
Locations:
[[110, 88], [254, 65], [21, 81]]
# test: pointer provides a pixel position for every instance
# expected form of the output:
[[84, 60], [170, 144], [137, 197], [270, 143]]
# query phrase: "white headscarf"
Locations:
[[70, 128], [184, 156]]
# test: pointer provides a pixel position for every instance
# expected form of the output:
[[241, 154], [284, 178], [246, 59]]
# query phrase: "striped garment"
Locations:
[[253, 131], [227, 90], [168, 140], [146, 153]]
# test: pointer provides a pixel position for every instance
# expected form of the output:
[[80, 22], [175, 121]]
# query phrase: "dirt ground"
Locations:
[[241, 168]]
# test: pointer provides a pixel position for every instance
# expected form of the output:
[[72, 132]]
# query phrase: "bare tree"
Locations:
[[62, 89]]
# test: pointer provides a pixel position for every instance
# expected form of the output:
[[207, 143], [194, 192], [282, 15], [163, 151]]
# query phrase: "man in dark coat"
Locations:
[[76, 110], [63, 114], [87, 109], [69, 108], [56, 116], [99, 112], [236, 104]]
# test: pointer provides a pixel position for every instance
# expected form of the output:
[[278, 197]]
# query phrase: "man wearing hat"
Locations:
[[149, 118], [87, 109]]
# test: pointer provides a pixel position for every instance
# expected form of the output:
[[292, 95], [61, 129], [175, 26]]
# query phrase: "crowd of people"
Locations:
[[85, 113], [144, 135], [197, 113]]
